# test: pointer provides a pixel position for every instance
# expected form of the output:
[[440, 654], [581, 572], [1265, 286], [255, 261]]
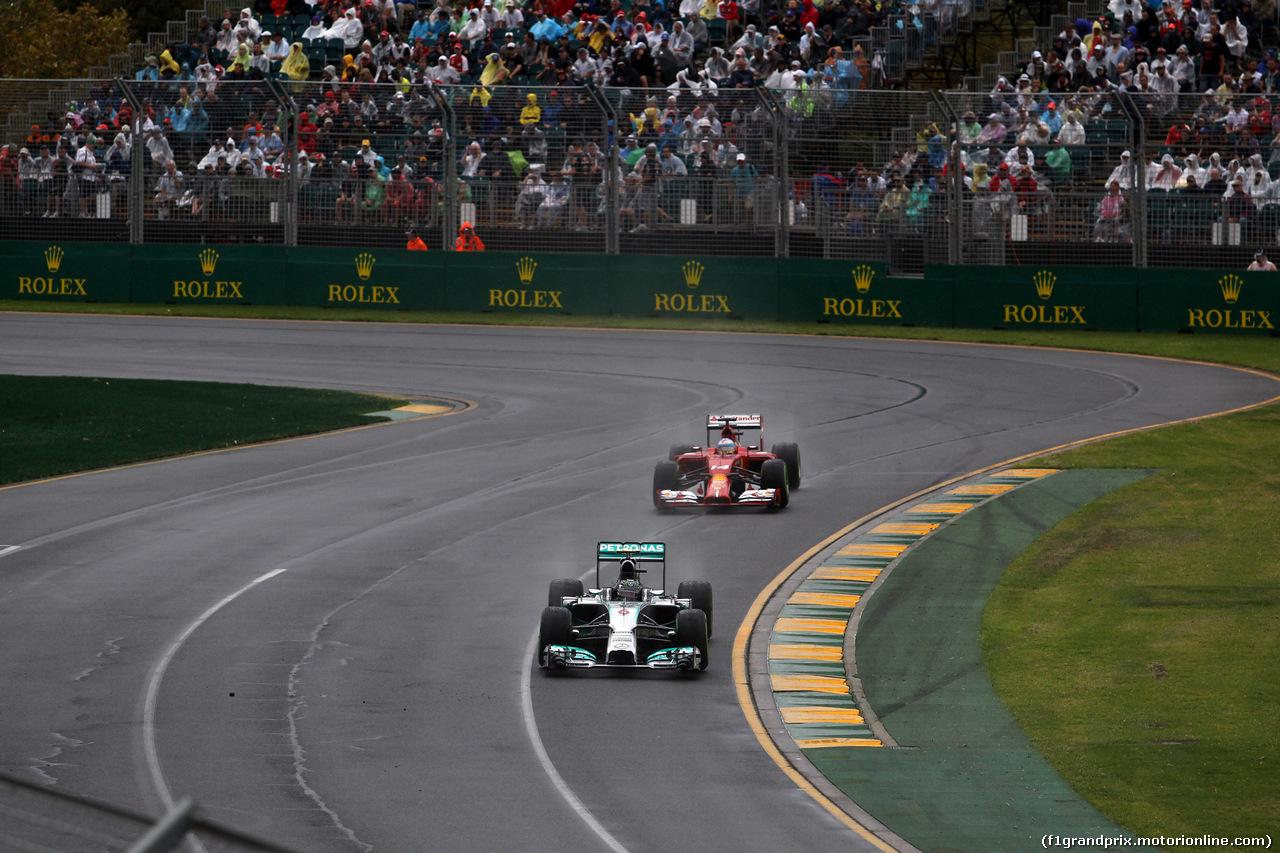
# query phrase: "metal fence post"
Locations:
[[955, 180], [610, 130], [782, 159], [1137, 128], [449, 173], [289, 203], [134, 193]]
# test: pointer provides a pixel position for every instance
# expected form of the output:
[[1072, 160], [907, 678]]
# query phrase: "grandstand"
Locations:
[[835, 161]]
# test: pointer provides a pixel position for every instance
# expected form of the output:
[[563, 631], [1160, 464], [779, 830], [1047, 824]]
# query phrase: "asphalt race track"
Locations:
[[328, 641]]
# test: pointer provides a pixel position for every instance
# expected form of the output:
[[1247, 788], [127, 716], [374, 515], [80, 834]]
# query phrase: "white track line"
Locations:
[[526, 706], [531, 727], [157, 675], [9, 549]]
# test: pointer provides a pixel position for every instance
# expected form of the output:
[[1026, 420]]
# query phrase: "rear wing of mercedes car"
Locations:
[[738, 424], [641, 552]]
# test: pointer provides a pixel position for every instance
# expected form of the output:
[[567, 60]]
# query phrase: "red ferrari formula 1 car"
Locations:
[[729, 470]]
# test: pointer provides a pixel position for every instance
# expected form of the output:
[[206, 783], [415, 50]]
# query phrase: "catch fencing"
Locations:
[[37, 817], [904, 178]]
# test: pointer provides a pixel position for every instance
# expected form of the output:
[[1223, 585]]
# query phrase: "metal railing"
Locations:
[[824, 170], [37, 817]]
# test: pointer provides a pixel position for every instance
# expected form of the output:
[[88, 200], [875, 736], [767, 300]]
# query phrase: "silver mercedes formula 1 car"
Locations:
[[627, 624]]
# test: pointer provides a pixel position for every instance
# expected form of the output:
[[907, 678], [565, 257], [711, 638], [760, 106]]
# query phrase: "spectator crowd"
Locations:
[[547, 105]]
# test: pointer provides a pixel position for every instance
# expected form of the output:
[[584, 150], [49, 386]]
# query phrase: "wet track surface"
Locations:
[[328, 641]]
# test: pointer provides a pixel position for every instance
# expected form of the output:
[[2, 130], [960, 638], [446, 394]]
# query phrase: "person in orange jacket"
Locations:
[[467, 240], [415, 243]]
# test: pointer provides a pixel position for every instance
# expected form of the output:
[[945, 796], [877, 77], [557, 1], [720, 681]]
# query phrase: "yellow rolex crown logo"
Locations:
[[1231, 285], [526, 267], [208, 261], [1044, 281], [693, 274], [53, 258], [364, 265], [862, 276]]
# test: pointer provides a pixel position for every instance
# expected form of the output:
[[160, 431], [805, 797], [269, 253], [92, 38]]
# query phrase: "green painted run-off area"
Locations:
[[964, 776]]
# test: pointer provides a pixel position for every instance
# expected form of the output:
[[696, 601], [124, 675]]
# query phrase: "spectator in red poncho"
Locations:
[[808, 14], [1025, 189], [306, 132], [728, 10]]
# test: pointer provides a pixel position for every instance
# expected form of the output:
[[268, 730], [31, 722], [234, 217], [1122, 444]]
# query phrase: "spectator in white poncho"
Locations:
[[1165, 176], [348, 28]]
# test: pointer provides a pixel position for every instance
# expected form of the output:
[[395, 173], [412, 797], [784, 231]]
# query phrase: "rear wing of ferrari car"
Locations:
[[641, 552], [739, 424]]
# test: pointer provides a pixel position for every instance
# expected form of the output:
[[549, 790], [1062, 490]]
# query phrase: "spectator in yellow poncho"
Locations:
[[168, 63], [494, 71], [349, 70], [532, 113], [240, 65], [647, 121], [296, 64], [599, 38]]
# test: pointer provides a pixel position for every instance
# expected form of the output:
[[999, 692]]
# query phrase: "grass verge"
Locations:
[[61, 424], [1136, 643]]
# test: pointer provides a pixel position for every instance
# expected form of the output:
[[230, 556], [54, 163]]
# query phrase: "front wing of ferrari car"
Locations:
[[694, 497]]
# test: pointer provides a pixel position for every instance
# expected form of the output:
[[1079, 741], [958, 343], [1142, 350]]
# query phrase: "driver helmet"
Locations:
[[628, 587], [726, 446]]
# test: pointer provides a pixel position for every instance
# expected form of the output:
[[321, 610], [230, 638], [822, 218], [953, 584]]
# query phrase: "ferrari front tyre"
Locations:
[[679, 450], [699, 594], [773, 475], [790, 454], [691, 630], [553, 630], [665, 476], [563, 588]]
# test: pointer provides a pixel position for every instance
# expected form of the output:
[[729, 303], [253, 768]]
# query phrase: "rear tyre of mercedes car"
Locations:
[[790, 454], [665, 476], [773, 475], [562, 588], [699, 593], [553, 630], [691, 630]]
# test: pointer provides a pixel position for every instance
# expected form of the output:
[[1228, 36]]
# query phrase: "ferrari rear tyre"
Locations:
[[698, 592], [691, 630], [561, 588], [553, 630], [789, 453], [665, 476], [773, 475], [679, 450]]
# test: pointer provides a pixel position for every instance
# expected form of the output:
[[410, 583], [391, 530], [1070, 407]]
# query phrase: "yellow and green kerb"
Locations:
[[808, 670]]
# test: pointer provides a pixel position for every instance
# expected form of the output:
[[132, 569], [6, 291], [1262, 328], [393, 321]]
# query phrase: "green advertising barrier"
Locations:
[[502, 282], [1059, 298], [662, 286], [208, 275], [825, 291], [1210, 301], [65, 271], [391, 279], [798, 290]]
